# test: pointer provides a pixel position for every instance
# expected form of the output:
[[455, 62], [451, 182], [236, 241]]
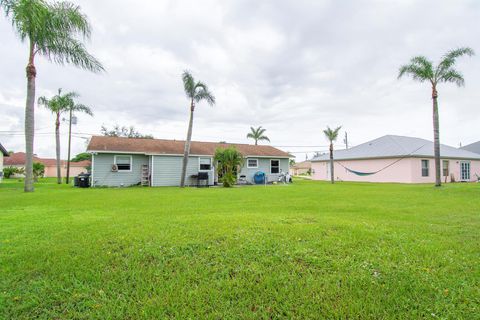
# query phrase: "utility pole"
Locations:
[[69, 145], [345, 140]]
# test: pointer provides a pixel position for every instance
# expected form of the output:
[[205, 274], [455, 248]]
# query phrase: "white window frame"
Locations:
[[123, 155], [204, 170], [279, 166], [248, 164]]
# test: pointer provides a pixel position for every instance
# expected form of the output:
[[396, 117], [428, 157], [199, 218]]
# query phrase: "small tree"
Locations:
[[332, 136], [38, 170], [228, 162], [81, 157]]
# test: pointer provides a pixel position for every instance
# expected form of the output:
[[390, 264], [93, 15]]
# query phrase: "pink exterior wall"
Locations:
[[74, 171], [407, 170]]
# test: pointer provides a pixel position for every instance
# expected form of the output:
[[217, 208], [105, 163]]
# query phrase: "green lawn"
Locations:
[[302, 251]]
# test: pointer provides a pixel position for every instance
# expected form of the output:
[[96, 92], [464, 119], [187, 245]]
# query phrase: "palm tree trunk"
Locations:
[[69, 146], [256, 142], [331, 164], [187, 146], [30, 120], [436, 137], [57, 142]]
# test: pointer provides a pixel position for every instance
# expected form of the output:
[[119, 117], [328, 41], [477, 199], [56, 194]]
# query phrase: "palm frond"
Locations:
[[67, 17], [452, 75], [449, 60], [330, 134], [82, 108], [188, 84], [205, 95], [419, 68], [65, 50], [265, 138]]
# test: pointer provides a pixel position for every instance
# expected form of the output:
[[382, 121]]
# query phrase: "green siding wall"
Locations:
[[264, 166], [103, 175]]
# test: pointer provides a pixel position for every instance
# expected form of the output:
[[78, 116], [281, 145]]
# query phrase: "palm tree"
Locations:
[[72, 108], [50, 30], [422, 70], [332, 136], [57, 105], [257, 134], [196, 91]]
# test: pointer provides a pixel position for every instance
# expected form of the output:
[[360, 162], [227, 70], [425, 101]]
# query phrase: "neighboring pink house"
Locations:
[[397, 159], [17, 159]]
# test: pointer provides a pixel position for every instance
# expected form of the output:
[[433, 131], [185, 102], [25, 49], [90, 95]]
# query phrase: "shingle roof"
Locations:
[[3, 150], [18, 159], [391, 146], [176, 147], [473, 147]]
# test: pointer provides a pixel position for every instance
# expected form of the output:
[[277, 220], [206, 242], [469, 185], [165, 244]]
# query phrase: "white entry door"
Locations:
[[465, 171]]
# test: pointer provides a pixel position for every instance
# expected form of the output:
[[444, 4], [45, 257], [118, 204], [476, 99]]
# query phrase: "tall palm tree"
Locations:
[[332, 136], [196, 91], [58, 104], [72, 108], [50, 30], [257, 134], [422, 70]]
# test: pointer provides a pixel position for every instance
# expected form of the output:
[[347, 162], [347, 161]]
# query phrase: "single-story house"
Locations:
[[155, 162], [304, 167], [473, 147], [17, 160], [397, 159], [3, 153]]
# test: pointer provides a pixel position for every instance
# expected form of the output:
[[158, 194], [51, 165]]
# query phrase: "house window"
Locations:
[[274, 166], [252, 163], [446, 168], [425, 165], [205, 164], [124, 163]]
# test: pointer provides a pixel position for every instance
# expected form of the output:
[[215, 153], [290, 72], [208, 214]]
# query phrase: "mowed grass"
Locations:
[[310, 250]]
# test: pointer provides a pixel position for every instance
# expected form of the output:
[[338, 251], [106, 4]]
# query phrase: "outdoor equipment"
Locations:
[[84, 180], [259, 177], [202, 176]]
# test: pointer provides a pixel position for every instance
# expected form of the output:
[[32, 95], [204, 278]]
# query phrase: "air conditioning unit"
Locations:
[[114, 168]]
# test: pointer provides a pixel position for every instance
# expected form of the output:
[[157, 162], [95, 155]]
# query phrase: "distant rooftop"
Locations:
[[391, 146], [473, 147]]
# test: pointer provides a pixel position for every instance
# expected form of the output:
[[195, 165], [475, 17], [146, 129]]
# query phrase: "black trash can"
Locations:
[[84, 180], [75, 181]]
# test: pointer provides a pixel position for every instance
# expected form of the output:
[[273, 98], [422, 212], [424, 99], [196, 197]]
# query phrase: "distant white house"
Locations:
[[3, 153], [397, 159]]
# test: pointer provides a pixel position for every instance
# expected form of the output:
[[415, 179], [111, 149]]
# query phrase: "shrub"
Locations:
[[228, 162]]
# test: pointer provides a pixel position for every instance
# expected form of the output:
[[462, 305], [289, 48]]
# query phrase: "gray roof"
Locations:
[[391, 146], [3, 150], [473, 147]]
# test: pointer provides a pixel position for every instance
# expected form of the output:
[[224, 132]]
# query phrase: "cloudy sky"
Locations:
[[293, 67]]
